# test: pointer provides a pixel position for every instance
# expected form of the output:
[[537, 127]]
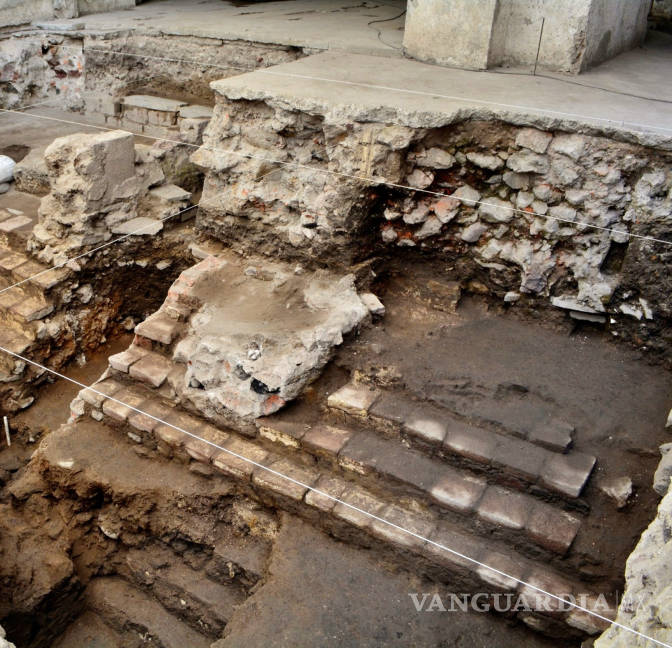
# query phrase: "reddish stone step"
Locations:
[[434, 431]]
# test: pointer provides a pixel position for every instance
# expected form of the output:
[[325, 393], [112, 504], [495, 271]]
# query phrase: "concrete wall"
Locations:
[[577, 33], [614, 26], [455, 33], [517, 26]]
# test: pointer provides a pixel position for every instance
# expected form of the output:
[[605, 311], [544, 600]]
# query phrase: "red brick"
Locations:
[[504, 508], [152, 368], [567, 474], [325, 439], [458, 492], [552, 528], [472, 443]]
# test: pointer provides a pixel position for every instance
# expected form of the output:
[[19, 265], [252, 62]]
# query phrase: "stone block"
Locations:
[[32, 309], [547, 581], [552, 528], [330, 486], [200, 450], [139, 226], [122, 361], [149, 102], [12, 260], [107, 387], [159, 327], [285, 432], [325, 439], [567, 474], [519, 458], [458, 492], [374, 304], [170, 436], [121, 408], [280, 484], [429, 430], [512, 571], [470, 442], [533, 139], [353, 398], [195, 111], [454, 550], [404, 522], [240, 467], [553, 434], [162, 118], [363, 503], [16, 223], [504, 508], [170, 193], [444, 295], [152, 369]]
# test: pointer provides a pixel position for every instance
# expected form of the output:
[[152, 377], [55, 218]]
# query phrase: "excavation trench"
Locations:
[[442, 320]]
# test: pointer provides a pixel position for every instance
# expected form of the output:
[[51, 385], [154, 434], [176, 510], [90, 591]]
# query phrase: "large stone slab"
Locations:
[[262, 332]]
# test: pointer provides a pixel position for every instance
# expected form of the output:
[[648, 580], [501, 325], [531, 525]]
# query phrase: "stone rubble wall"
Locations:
[[647, 601], [18, 12], [288, 182], [46, 67]]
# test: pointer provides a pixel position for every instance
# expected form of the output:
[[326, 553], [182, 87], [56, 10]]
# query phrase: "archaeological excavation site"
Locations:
[[335, 324]]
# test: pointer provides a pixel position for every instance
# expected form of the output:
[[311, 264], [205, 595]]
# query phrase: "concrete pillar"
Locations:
[[488, 33]]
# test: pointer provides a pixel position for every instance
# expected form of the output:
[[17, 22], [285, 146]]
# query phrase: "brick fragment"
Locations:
[[281, 485], [122, 361], [152, 368], [325, 439], [353, 398]]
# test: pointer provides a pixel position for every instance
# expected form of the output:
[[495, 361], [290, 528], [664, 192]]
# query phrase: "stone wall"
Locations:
[[18, 12], [508, 207], [646, 603]]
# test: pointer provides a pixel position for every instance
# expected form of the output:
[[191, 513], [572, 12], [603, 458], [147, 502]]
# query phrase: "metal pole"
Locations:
[[541, 33], [6, 422]]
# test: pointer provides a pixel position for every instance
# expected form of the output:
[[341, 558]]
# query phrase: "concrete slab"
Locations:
[[370, 88], [316, 24]]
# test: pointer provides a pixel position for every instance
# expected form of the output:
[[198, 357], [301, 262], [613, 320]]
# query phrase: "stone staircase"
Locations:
[[511, 503]]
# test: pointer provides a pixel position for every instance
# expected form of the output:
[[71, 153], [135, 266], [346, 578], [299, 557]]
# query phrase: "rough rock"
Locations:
[[661, 478], [7, 166], [646, 604], [255, 345], [495, 210], [618, 488]]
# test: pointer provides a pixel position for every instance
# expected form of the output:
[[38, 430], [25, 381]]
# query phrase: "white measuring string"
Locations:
[[100, 247], [373, 86], [337, 500], [372, 180], [35, 105]]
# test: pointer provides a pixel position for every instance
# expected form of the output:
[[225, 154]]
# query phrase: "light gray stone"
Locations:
[[618, 488], [495, 210], [528, 162], [467, 195], [534, 139], [485, 161], [153, 103], [435, 158], [473, 232]]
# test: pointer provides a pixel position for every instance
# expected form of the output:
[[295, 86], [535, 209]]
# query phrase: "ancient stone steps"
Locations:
[[384, 466], [20, 310], [125, 607], [347, 523], [16, 266], [515, 462], [207, 605]]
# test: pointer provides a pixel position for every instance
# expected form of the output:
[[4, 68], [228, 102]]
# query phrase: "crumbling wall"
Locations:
[[533, 218], [49, 66], [18, 12], [645, 606]]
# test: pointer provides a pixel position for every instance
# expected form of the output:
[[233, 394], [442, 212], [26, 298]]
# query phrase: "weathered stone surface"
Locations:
[[93, 187], [353, 398], [504, 508], [619, 489], [567, 474], [661, 478], [458, 492], [250, 349]]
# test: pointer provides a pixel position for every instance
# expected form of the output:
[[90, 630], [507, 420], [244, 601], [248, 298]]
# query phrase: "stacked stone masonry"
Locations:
[[535, 218]]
